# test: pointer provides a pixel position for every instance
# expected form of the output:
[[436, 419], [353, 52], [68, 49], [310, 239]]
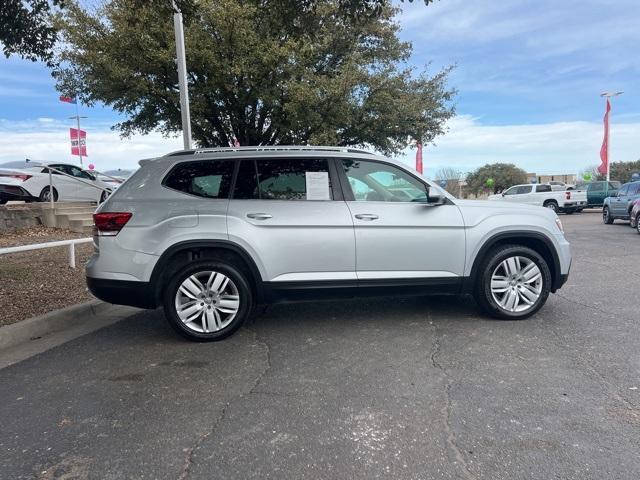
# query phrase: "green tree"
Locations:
[[622, 171], [26, 28], [261, 71], [504, 175]]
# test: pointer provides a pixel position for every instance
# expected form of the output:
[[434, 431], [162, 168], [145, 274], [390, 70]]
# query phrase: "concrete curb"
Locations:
[[93, 311]]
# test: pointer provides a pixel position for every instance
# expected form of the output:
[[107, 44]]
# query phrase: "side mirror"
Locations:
[[434, 198], [502, 194]]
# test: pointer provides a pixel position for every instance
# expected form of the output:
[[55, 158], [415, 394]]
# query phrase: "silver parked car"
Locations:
[[211, 233]]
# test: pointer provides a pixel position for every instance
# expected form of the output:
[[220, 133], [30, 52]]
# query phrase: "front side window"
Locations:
[[379, 182], [596, 187], [205, 178], [284, 179], [523, 189], [511, 191], [623, 191]]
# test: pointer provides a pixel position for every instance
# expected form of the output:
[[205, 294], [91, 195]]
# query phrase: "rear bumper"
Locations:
[[11, 193], [123, 292]]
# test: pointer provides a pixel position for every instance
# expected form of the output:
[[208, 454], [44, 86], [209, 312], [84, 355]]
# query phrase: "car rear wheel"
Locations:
[[551, 204], [207, 300], [638, 223], [45, 195], [606, 216], [513, 282]]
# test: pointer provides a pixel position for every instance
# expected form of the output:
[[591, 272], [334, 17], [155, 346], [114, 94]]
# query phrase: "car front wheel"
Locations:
[[513, 282], [606, 216], [207, 300], [638, 223]]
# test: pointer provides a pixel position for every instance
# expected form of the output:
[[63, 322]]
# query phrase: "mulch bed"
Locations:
[[36, 282]]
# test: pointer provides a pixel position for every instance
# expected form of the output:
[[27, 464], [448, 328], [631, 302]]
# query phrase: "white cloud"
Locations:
[[48, 140], [562, 147]]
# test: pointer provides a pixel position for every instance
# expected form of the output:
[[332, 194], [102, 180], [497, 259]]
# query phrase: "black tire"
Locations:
[[552, 204], [606, 216], [490, 263], [43, 197], [570, 212], [245, 296], [638, 223], [3, 201]]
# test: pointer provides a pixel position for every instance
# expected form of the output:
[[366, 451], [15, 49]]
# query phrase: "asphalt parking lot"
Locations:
[[419, 388]]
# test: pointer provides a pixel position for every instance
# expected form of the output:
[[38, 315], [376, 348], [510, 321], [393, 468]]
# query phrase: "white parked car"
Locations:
[[114, 178], [29, 181], [567, 201]]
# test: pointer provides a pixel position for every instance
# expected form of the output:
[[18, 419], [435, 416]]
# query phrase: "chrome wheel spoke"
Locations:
[[193, 285], [229, 304], [499, 284]]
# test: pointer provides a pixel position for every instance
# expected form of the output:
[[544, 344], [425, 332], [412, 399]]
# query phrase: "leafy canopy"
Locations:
[[259, 71], [504, 175], [26, 28]]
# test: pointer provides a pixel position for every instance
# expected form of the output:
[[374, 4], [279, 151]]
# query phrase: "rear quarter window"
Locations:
[[204, 178]]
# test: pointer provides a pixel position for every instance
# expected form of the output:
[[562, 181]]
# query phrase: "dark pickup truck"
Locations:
[[598, 191]]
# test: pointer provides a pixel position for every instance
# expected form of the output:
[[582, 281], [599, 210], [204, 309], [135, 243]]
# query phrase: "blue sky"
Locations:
[[528, 73]]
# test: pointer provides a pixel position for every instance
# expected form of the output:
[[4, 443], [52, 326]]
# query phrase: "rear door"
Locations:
[[541, 191], [85, 190], [400, 237], [288, 213]]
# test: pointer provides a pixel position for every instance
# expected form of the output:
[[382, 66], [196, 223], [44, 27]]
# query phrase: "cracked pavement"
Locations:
[[420, 388]]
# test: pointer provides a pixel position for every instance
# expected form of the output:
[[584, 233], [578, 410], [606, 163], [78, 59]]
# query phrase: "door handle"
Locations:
[[259, 216], [366, 216]]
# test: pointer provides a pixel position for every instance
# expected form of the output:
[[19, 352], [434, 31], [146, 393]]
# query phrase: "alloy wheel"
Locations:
[[516, 284], [207, 301]]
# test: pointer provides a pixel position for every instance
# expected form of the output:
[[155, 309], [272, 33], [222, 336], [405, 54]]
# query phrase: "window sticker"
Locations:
[[317, 185]]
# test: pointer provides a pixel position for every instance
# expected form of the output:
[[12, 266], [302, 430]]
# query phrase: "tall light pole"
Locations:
[[609, 95], [182, 76]]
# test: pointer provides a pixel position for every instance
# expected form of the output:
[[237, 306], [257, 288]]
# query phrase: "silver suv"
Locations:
[[209, 234]]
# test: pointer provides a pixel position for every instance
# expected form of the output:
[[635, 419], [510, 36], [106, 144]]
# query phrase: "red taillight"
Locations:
[[110, 223], [567, 195], [18, 176]]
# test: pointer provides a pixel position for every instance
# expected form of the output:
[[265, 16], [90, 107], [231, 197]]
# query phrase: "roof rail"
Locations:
[[268, 148]]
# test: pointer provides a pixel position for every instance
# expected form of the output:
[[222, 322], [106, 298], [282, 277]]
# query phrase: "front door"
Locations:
[[66, 187], [398, 234], [289, 214]]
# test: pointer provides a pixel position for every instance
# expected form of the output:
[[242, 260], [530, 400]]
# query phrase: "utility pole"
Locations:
[[182, 76], [609, 95]]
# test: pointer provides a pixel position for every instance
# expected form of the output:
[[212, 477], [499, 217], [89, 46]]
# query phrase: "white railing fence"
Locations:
[[38, 246]]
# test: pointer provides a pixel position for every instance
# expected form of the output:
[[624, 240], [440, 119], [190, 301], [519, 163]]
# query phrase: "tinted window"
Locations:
[[379, 182], [207, 178], [595, 187], [614, 185], [283, 179], [511, 191], [623, 190], [524, 189], [543, 188], [634, 189]]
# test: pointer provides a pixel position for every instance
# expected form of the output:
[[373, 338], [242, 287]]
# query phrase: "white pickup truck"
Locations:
[[567, 201]]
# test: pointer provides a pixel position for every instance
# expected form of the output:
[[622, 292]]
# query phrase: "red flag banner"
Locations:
[[67, 99], [604, 150], [78, 142], [419, 158]]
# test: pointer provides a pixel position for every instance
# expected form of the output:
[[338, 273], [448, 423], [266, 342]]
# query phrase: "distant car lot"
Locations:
[[397, 388]]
